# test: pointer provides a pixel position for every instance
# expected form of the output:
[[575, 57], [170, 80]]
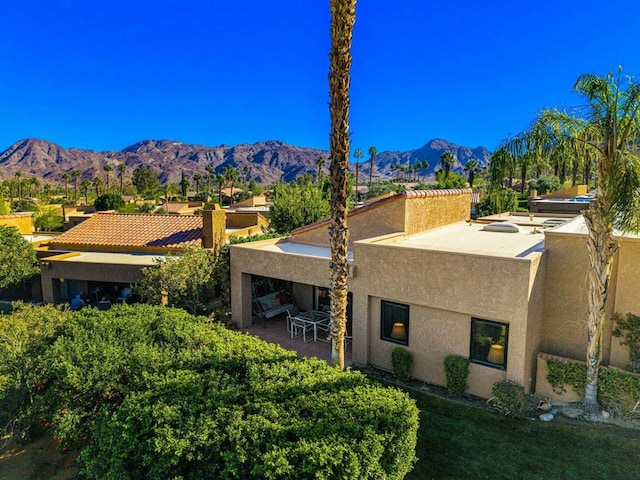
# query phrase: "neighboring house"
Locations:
[[21, 220], [255, 204], [107, 252], [568, 201], [183, 208], [425, 278]]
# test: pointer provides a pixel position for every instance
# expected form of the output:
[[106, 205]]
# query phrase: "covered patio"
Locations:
[[276, 332]]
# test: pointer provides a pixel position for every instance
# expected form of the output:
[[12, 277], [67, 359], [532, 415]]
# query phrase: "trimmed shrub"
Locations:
[[509, 398], [402, 361], [456, 369], [152, 392]]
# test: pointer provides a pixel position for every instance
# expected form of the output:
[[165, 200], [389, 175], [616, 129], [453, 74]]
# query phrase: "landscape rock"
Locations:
[[546, 417], [572, 412]]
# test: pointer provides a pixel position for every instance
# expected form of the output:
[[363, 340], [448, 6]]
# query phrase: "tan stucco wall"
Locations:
[[443, 291], [434, 211], [256, 201], [363, 223], [245, 220], [566, 288], [568, 192], [22, 221], [627, 294], [566, 296]]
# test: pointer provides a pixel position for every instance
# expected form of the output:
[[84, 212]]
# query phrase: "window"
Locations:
[[395, 322], [322, 302], [489, 343]]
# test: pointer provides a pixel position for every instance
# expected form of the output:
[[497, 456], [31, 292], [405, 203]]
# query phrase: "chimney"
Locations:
[[214, 223]]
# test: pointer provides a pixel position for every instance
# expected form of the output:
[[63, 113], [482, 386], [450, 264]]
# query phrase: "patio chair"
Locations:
[[124, 295], [324, 326], [298, 327]]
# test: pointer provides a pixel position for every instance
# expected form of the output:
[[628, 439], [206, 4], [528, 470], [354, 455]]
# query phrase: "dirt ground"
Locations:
[[38, 460]]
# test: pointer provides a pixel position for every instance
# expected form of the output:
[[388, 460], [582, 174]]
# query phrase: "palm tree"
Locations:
[[424, 165], [18, 176], [86, 183], [34, 183], [220, 180], [343, 14], [197, 178], [394, 167], [76, 175], [447, 161], [472, 167], [121, 169], [358, 156], [107, 168], [246, 170], [184, 184], [610, 131], [320, 163], [210, 171], [231, 176], [66, 176], [97, 183], [373, 151]]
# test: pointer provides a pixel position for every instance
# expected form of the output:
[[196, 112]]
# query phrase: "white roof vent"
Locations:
[[502, 227]]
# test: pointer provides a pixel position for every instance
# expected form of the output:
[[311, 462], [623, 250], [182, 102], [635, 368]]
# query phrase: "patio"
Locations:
[[276, 332]]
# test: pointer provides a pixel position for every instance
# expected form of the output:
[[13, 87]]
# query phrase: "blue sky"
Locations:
[[102, 75]]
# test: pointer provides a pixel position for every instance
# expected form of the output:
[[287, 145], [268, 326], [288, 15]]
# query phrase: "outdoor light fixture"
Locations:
[[45, 265], [399, 332], [496, 354]]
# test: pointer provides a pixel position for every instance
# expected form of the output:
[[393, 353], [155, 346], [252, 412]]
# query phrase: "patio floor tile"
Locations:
[[276, 332]]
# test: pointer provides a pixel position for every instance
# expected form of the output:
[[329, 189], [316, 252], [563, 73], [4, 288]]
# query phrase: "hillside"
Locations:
[[268, 161]]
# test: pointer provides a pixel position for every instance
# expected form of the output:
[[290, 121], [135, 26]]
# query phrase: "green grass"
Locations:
[[461, 442]]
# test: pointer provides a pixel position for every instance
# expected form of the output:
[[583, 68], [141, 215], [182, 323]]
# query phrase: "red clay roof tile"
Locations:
[[134, 230]]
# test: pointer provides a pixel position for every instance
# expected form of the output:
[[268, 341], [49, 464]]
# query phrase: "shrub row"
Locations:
[[152, 392], [618, 390]]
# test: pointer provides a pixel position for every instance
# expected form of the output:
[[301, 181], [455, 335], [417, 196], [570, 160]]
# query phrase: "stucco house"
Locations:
[[107, 252], [423, 276]]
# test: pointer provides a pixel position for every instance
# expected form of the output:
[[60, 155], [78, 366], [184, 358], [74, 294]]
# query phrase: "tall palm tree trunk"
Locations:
[[602, 246], [343, 14]]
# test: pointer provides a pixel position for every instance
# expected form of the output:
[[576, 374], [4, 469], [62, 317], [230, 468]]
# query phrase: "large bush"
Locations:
[[152, 392], [25, 336], [18, 262], [108, 201], [295, 205]]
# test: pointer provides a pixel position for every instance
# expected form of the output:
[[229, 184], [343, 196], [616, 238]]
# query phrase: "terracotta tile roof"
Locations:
[[133, 230]]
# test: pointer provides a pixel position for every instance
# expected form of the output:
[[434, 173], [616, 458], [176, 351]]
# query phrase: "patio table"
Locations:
[[314, 318]]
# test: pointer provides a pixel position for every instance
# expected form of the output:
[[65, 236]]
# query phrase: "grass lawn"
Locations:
[[461, 442]]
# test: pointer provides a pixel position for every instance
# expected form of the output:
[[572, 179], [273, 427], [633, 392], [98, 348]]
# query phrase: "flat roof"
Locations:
[[107, 258], [295, 248], [578, 226], [471, 238]]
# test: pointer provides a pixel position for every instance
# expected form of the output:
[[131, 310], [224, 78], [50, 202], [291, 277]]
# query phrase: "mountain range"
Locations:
[[269, 161]]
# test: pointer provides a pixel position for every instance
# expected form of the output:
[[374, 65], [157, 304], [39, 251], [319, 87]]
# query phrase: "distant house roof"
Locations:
[[145, 231]]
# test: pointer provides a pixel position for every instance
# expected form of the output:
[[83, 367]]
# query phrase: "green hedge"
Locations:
[[618, 390], [152, 392]]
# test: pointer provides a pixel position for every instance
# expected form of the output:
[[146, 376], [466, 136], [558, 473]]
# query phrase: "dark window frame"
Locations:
[[385, 330], [475, 350]]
